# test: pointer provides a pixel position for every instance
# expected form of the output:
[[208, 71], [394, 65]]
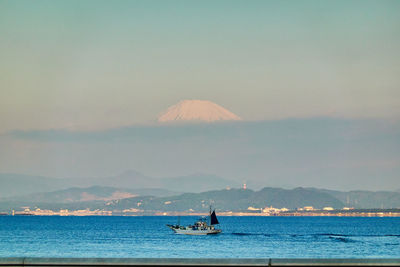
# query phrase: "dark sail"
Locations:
[[214, 219]]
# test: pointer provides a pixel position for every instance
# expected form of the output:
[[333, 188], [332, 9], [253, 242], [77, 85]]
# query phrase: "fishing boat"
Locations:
[[200, 227]]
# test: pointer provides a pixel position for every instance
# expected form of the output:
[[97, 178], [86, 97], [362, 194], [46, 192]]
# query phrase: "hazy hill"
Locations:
[[18, 185], [240, 200], [295, 198], [24, 190], [127, 179], [93, 193], [224, 200], [196, 183], [192, 183], [367, 199], [235, 200]]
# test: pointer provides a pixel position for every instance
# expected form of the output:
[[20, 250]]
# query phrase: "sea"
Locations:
[[242, 237]]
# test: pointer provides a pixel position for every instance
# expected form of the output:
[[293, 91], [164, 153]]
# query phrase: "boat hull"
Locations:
[[189, 231]]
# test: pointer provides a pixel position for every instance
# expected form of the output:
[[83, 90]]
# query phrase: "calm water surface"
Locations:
[[242, 237]]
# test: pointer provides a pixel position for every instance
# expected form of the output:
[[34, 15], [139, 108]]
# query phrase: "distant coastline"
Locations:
[[290, 213], [97, 201]]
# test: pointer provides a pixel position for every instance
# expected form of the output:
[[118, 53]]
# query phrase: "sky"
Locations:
[[70, 64], [96, 67]]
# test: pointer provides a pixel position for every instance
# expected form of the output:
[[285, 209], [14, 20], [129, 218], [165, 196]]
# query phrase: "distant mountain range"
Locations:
[[93, 193], [19, 185], [110, 198], [193, 192], [366, 199], [234, 200]]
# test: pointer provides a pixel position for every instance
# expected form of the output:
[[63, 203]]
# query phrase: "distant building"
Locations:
[[328, 208], [272, 210], [252, 208]]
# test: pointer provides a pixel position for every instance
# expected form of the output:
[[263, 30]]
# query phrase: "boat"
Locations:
[[200, 227]]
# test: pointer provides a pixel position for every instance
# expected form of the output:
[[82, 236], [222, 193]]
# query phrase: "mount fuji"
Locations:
[[197, 110]]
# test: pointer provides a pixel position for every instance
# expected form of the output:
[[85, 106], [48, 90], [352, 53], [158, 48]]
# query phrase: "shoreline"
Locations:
[[254, 213], [360, 215]]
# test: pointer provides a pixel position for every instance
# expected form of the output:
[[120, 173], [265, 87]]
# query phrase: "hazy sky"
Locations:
[[101, 64], [316, 82]]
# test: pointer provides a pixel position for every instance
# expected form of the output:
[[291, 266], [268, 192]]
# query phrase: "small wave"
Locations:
[[250, 234], [392, 244], [342, 235], [342, 239], [243, 234], [329, 234]]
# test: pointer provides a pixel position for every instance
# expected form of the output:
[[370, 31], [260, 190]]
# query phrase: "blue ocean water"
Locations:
[[242, 237]]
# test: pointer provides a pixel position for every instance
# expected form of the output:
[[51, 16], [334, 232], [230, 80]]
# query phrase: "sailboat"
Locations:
[[200, 227]]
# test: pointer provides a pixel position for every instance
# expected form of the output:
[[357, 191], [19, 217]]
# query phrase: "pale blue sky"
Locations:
[[102, 64]]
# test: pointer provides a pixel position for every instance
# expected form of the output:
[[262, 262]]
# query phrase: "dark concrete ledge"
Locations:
[[114, 262]]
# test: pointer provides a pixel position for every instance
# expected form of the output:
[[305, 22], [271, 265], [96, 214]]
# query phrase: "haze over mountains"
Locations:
[[17, 185], [180, 194], [317, 152], [320, 152], [153, 200]]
